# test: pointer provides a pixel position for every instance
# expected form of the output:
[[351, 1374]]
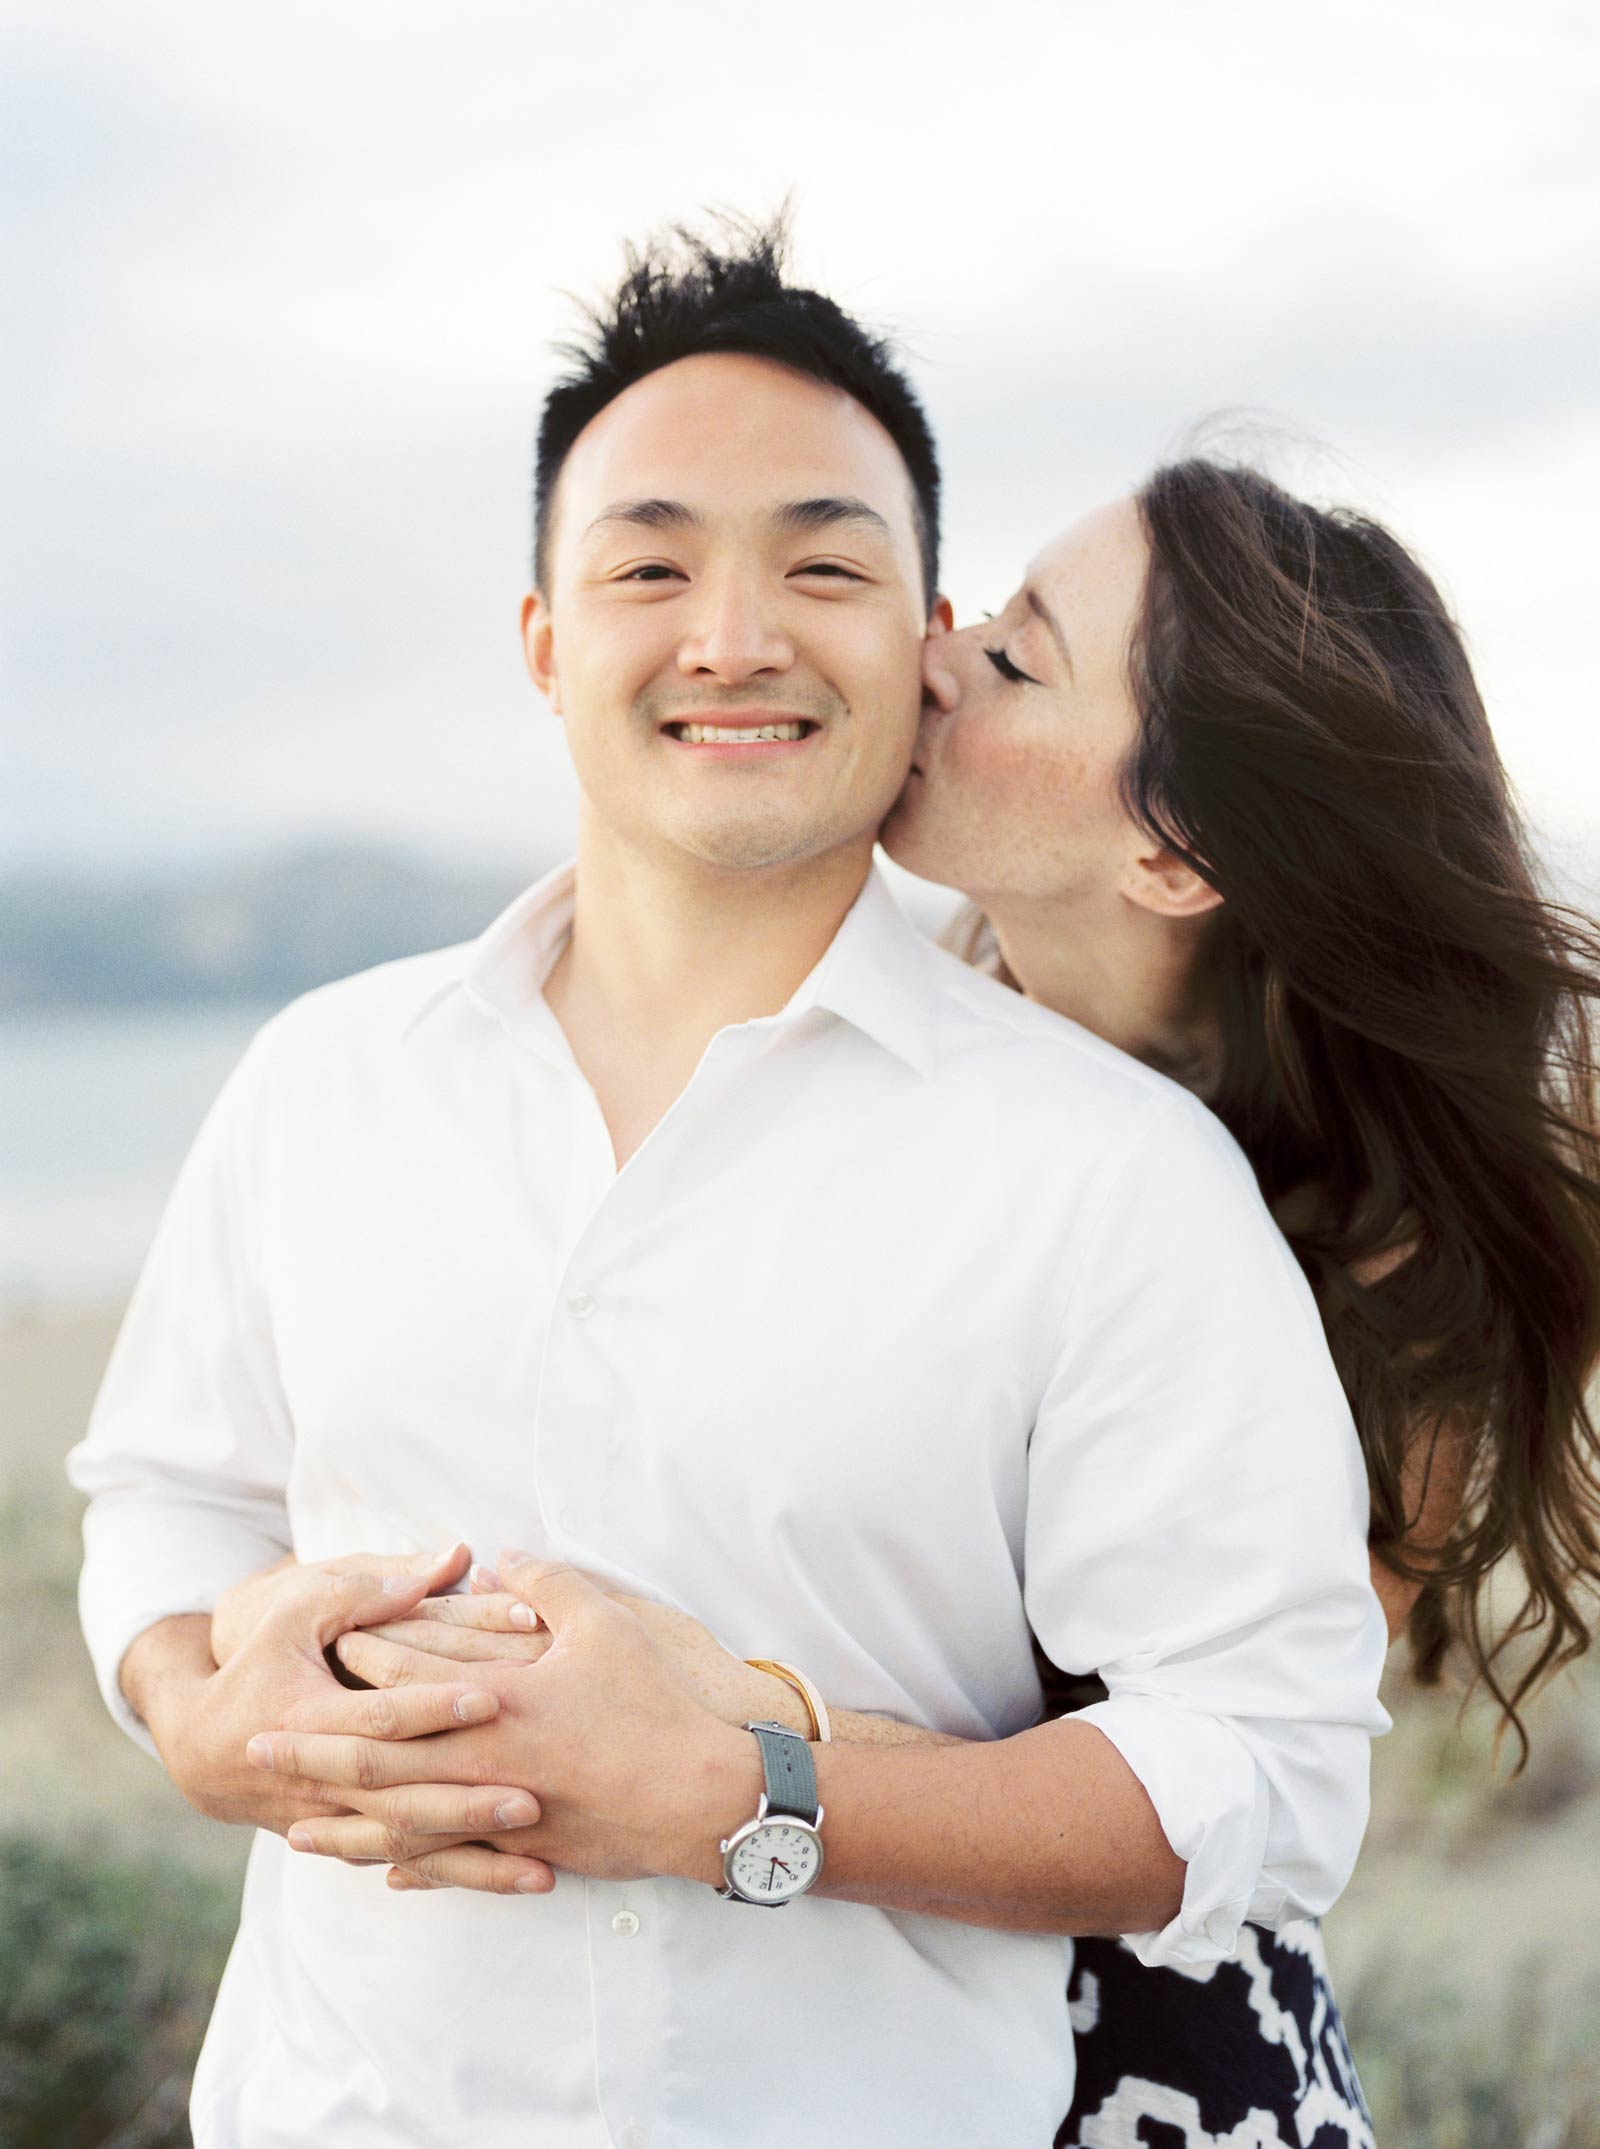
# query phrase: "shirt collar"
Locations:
[[873, 974], [510, 960]]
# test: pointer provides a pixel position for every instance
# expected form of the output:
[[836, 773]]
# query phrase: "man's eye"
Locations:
[[1007, 670], [828, 567], [655, 569]]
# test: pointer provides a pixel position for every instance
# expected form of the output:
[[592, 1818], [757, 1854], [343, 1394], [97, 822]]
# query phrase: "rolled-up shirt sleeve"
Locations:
[[187, 1451], [1197, 1534]]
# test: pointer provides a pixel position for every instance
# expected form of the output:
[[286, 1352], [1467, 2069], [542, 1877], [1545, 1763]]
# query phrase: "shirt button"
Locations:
[[580, 1307], [633, 2137], [627, 1924]]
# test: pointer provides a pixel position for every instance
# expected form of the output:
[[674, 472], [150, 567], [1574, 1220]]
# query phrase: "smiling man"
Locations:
[[733, 548], [702, 1227]]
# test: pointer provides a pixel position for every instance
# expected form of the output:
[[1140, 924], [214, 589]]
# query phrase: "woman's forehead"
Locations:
[[1091, 579], [1108, 538]]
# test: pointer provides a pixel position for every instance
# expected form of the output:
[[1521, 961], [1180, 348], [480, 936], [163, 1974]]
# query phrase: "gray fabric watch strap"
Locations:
[[790, 1772]]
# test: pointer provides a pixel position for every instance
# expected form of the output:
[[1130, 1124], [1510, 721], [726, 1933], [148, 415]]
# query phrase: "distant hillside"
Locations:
[[274, 926], [263, 930]]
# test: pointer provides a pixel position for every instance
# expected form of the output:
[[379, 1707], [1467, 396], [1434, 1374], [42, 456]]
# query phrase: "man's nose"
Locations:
[[735, 635]]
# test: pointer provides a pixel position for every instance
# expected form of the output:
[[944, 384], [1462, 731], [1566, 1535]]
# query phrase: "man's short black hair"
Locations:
[[677, 301]]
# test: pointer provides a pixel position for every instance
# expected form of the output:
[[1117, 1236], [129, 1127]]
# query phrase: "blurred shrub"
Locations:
[[107, 1973], [1443, 2071]]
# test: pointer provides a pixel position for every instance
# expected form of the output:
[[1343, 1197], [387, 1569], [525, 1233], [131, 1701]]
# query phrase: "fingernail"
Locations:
[[485, 1577], [440, 1559], [396, 1585], [299, 1840], [515, 1558], [519, 1812], [259, 1752], [476, 1708], [523, 1615], [531, 1884]]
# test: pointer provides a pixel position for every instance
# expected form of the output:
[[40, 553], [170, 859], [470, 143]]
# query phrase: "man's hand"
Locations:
[[201, 1718], [633, 1776]]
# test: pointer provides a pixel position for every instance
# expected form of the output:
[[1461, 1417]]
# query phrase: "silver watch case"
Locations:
[[730, 1845]]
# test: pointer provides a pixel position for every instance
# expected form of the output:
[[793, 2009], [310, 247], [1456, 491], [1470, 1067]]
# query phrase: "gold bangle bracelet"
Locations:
[[816, 1707]]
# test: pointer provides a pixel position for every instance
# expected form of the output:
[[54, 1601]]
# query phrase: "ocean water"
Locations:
[[98, 1107], [97, 1110]]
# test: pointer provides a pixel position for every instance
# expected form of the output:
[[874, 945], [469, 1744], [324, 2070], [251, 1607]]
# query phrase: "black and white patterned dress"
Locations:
[[1247, 2054]]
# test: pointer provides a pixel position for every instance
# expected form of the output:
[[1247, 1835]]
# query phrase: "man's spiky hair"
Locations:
[[685, 294]]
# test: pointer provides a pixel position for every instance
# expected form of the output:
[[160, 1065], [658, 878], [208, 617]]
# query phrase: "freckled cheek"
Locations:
[[1034, 796], [993, 761]]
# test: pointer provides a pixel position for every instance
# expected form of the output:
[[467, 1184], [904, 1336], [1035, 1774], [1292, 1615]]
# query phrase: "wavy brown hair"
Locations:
[[1407, 1022], [1407, 1034]]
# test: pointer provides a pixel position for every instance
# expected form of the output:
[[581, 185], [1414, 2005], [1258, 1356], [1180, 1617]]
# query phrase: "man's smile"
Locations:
[[742, 732]]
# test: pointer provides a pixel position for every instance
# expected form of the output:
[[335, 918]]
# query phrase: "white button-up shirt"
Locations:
[[922, 1317]]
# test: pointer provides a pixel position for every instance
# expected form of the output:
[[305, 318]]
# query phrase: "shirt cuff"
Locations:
[[1214, 1805], [146, 1560]]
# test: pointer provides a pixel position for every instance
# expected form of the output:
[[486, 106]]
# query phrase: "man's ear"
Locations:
[[539, 649], [1158, 880], [941, 618]]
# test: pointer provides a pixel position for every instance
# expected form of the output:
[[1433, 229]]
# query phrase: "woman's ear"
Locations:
[[1158, 880]]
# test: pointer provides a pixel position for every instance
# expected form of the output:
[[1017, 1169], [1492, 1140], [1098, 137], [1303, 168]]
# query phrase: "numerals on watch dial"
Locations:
[[775, 1862]]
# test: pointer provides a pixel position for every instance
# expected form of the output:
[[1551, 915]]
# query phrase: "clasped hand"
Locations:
[[608, 1746]]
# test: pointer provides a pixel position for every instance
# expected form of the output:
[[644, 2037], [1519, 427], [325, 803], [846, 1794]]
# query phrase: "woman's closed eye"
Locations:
[[1007, 670]]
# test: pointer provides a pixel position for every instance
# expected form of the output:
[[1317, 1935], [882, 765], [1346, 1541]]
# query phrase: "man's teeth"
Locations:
[[724, 735]]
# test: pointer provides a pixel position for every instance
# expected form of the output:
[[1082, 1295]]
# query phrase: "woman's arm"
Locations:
[[1433, 1483], [1395, 1594]]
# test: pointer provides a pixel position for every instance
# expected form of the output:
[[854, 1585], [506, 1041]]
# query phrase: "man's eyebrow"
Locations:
[[649, 515], [1041, 611], [822, 513], [827, 511]]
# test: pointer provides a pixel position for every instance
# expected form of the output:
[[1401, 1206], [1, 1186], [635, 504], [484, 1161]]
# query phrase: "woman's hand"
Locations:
[[443, 1633], [240, 1610]]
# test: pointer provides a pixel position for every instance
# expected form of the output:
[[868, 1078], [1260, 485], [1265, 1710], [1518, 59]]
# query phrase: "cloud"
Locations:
[[289, 283]]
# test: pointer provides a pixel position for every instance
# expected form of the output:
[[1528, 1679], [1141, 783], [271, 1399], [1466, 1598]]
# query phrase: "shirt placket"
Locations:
[[575, 1410], [581, 1473], [572, 1414]]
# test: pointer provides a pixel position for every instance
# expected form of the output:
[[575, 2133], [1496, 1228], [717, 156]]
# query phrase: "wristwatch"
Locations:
[[778, 1855]]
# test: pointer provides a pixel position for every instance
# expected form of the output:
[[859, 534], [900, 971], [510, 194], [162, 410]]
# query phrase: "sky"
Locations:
[[284, 282]]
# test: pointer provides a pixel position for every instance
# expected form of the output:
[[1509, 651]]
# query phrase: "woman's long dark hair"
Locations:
[[1409, 1060]]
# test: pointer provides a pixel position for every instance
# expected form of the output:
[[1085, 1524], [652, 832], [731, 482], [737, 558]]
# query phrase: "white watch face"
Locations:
[[775, 1861]]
